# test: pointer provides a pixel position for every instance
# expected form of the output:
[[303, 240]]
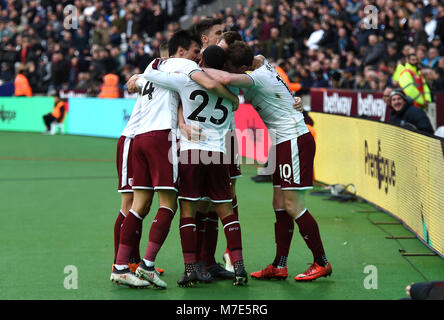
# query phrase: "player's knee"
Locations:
[[168, 199], [223, 209], [278, 204], [294, 204], [127, 201], [187, 209], [203, 206]]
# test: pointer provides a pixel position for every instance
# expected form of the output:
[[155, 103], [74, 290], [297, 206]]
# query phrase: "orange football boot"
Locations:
[[315, 271], [271, 272]]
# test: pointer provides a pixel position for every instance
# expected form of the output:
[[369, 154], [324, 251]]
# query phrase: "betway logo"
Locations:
[[371, 107], [7, 115], [336, 104]]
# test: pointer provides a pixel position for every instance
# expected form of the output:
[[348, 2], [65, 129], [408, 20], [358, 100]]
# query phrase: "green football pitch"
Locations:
[[59, 203]]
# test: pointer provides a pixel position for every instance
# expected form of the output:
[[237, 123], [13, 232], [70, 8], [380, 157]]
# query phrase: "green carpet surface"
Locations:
[[60, 201]]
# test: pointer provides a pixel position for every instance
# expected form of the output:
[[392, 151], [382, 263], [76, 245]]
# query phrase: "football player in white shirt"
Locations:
[[203, 172], [207, 223], [154, 160], [125, 178], [294, 155]]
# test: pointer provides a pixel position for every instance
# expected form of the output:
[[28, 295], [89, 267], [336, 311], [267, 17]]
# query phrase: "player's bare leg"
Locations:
[[294, 201], [233, 235]]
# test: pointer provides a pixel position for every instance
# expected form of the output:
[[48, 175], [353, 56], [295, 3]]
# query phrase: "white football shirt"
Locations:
[[159, 105], [133, 122], [201, 108], [273, 101]]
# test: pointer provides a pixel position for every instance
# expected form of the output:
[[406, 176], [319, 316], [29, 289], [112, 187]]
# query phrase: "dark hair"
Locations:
[[203, 26], [214, 57], [184, 39], [231, 36], [240, 54]]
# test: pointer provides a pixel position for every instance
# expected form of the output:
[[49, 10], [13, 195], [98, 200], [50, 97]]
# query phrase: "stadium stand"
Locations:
[[326, 43]]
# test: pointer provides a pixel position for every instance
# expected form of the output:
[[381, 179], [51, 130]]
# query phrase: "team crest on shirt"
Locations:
[[277, 95]]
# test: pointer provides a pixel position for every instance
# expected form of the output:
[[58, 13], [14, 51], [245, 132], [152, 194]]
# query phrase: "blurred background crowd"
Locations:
[[318, 43]]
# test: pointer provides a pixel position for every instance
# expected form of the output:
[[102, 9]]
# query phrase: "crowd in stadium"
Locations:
[[318, 43]]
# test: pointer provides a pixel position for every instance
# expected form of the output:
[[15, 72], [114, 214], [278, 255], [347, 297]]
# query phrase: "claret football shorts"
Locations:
[[294, 163]]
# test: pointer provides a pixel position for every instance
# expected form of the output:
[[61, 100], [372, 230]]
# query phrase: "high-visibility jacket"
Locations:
[[21, 86], [397, 73], [110, 86], [59, 111], [293, 86], [414, 85]]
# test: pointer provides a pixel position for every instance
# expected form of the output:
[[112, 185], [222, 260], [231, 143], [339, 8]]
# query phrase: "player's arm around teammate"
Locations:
[[294, 153]]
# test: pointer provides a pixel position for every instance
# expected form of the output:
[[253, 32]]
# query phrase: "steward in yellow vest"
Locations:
[[413, 83]]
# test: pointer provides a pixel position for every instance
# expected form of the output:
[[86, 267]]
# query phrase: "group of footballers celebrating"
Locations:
[[180, 143]]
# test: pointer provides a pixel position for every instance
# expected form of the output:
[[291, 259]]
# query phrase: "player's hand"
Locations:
[[192, 133], [132, 84], [298, 104], [235, 104]]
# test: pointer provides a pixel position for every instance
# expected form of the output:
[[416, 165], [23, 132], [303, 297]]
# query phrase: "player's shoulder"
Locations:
[[149, 65], [263, 73], [178, 64]]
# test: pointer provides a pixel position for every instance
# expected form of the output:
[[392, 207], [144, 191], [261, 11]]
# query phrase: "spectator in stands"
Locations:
[[313, 40], [285, 28], [347, 80], [328, 37], [374, 52], [386, 96], [418, 34], [33, 31], [21, 83], [430, 25], [360, 82], [59, 68], [405, 114], [393, 55], [6, 73], [273, 48], [438, 83], [266, 26], [432, 58], [343, 43]]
